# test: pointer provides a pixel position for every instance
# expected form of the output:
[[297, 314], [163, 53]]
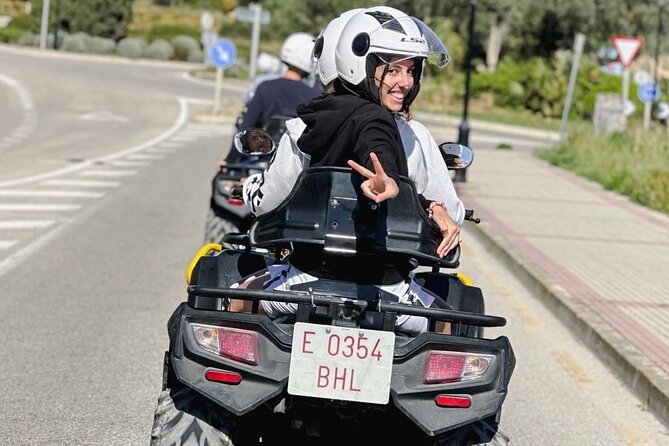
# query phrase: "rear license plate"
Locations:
[[341, 363]]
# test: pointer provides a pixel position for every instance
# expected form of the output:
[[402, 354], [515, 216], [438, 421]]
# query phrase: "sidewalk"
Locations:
[[596, 259]]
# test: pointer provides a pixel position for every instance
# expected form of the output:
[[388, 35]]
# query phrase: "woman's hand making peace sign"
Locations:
[[378, 186]]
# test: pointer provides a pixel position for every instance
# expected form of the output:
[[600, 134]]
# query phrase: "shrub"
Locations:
[[27, 39], [22, 21], [101, 45], [131, 47], [159, 49], [196, 56], [77, 43], [11, 34], [506, 84], [183, 46]]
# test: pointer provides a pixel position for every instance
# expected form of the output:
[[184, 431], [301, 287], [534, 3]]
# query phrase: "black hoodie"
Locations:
[[344, 126]]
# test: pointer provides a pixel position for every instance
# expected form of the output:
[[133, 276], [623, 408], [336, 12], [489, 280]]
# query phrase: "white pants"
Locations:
[[281, 277]]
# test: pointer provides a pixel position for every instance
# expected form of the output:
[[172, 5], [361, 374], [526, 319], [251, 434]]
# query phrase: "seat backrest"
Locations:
[[327, 208]]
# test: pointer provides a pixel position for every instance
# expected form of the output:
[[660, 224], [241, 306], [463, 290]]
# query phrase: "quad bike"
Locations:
[[335, 372], [228, 214]]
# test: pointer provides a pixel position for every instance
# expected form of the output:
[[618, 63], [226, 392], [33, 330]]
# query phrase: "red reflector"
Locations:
[[222, 376], [443, 368], [453, 401], [235, 201], [238, 345]]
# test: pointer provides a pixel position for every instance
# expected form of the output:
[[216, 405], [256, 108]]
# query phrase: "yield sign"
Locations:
[[627, 48]]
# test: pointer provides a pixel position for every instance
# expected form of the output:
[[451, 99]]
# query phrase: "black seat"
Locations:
[[327, 208]]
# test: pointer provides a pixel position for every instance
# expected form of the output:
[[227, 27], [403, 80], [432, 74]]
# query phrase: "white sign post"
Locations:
[[257, 16], [627, 48], [44, 26], [579, 41], [222, 55]]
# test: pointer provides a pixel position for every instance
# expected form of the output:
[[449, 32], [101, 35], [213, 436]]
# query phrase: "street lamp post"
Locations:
[[57, 27], [463, 130], [660, 30]]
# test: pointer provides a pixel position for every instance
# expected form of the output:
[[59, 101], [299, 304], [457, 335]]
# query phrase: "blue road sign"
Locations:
[[648, 92], [223, 53]]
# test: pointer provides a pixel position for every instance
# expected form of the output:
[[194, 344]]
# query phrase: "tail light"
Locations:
[[461, 401], [232, 343], [223, 376], [448, 367]]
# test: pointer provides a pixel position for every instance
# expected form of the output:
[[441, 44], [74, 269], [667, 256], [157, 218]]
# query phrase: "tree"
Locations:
[[102, 18], [500, 16]]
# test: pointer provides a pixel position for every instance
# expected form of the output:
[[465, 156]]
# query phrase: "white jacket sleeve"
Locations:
[[427, 168], [265, 191]]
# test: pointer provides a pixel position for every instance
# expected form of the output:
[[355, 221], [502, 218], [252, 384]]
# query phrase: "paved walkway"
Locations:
[[596, 259]]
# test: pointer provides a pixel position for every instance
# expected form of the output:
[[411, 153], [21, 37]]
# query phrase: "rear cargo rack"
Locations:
[[196, 293]]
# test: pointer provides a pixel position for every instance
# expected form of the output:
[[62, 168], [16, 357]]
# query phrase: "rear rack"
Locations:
[[195, 293]]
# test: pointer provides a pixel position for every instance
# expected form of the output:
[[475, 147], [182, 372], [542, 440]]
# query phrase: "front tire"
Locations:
[[216, 227]]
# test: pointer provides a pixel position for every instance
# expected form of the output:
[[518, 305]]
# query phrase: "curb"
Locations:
[[635, 370]]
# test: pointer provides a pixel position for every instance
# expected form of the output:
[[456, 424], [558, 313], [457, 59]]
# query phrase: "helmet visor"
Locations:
[[428, 46], [437, 52]]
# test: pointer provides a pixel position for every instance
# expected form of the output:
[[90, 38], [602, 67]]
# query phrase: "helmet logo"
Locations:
[[413, 39], [360, 44]]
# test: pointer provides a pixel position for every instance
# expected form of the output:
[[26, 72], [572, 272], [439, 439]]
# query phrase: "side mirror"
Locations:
[[254, 142], [456, 156]]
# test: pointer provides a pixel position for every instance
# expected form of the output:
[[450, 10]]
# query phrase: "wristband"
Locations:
[[430, 208]]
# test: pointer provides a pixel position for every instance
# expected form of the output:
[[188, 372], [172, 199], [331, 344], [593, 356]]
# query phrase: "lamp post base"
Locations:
[[463, 138]]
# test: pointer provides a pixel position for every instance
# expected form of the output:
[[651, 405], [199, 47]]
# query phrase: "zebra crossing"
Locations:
[[34, 208]]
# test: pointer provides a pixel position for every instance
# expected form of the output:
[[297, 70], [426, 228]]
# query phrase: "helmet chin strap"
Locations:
[[369, 89]]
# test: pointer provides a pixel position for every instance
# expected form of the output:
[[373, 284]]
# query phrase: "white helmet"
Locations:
[[326, 44], [386, 33], [297, 52]]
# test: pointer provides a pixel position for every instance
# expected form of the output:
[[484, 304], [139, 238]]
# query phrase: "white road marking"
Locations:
[[29, 121], [145, 157], [21, 207], [128, 163], [103, 116], [168, 150], [81, 183], [184, 139], [6, 244], [25, 224], [170, 145], [49, 193], [107, 173]]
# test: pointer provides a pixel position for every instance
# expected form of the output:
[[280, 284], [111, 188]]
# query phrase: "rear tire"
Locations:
[[216, 227], [183, 417], [480, 433]]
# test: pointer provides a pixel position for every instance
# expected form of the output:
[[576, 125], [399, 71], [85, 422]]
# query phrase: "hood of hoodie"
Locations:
[[324, 117], [339, 127]]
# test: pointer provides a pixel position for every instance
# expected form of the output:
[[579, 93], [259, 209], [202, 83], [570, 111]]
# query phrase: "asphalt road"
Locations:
[[99, 218]]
